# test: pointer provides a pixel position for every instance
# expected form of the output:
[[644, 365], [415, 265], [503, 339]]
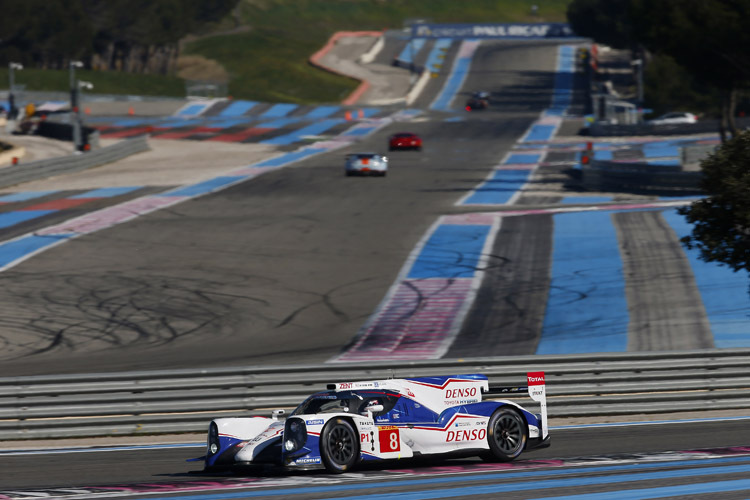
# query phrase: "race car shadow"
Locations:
[[415, 465]]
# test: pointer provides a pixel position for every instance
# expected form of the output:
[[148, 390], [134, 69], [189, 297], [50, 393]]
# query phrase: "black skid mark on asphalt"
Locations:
[[326, 300], [78, 313], [576, 295], [421, 300], [494, 262]]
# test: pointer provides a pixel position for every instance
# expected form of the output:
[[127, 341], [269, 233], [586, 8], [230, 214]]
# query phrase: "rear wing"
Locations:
[[536, 389]]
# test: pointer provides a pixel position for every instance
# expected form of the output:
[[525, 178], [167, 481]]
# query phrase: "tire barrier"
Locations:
[[25, 172], [64, 132], [180, 401]]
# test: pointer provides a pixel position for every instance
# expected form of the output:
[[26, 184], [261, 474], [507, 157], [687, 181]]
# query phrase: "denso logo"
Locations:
[[467, 435], [465, 392]]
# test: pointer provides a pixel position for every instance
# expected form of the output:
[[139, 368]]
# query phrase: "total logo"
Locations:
[[466, 435], [535, 378], [465, 392]]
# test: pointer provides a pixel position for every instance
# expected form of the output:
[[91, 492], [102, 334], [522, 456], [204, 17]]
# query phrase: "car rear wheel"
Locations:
[[339, 447], [506, 434]]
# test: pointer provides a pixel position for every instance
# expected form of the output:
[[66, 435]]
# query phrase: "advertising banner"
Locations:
[[508, 30]]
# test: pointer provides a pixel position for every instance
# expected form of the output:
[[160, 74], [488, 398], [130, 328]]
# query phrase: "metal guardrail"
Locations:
[[693, 155], [609, 176], [25, 172], [179, 401], [702, 127]]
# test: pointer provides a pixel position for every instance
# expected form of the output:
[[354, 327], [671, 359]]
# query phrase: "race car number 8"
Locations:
[[389, 440]]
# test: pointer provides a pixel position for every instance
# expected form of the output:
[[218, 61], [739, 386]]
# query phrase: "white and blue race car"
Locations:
[[383, 420]]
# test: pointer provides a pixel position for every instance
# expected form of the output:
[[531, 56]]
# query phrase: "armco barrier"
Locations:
[[25, 172], [702, 127], [693, 155], [178, 401], [609, 176]]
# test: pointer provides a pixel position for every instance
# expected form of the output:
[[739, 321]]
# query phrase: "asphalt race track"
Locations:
[[282, 269], [676, 459], [287, 267]]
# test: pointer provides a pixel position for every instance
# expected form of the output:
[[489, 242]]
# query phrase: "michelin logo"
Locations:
[[305, 461]]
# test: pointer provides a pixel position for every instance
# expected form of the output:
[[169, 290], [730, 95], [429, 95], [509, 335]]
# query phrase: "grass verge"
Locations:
[[269, 62]]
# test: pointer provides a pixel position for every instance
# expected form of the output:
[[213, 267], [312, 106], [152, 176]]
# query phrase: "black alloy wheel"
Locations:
[[506, 434], [339, 446]]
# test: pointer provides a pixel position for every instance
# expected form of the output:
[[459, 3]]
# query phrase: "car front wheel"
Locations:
[[506, 434], [339, 447]]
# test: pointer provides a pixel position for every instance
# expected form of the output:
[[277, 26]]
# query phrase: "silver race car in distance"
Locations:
[[366, 164]]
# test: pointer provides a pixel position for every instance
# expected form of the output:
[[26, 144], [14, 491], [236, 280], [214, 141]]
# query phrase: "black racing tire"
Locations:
[[339, 446], [418, 148], [506, 434], [382, 174], [349, 173]]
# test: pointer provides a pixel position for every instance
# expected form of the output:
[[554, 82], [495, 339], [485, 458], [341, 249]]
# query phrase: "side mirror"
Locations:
[[374, 409]]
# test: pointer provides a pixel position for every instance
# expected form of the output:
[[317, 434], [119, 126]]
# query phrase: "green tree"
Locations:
[[131, 35], [707, 37], [670, 87], [43, 33], [606, 21], [721, 221]]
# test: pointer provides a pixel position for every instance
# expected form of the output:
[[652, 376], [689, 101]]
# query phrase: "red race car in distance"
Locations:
[[405, 140]]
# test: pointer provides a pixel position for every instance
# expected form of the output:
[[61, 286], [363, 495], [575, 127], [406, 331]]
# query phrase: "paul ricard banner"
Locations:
[[508, 30]]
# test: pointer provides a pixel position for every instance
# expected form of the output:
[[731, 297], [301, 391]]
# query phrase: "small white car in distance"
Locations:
[[674, 118], [366, 164]]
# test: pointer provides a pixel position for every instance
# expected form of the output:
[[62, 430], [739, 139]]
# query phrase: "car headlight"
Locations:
[[213, 439], [295, 434]]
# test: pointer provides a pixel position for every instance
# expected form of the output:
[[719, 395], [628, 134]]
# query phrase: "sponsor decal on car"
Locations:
[[457, 402], [317, 421], [462, 392], [466, 435], [305, 461], [389, 438], [535, 381], [535, 378]]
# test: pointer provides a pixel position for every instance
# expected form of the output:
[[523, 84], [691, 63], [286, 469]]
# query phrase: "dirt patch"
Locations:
[[200, 68]]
